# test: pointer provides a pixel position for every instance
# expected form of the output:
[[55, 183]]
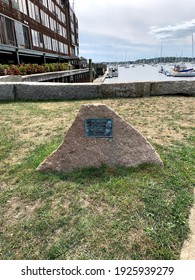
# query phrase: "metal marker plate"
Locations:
[[100, 128]]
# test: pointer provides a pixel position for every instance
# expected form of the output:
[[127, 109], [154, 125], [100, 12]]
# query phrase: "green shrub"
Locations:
[[22, 69], [51, 67], [13, 70], [3, 69], [36, 68], [46, 67], [29, 69]]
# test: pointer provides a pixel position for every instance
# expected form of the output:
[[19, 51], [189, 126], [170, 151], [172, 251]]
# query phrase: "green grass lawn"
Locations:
[[105, 213]]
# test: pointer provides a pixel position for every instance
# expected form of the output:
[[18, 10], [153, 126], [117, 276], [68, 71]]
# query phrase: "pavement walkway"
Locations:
[[188, 250]]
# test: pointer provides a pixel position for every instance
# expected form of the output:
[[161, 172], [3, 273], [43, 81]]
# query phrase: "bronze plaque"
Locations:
[[100, 128]]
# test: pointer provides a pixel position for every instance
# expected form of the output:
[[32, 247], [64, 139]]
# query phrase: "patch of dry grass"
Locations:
[[162, 120]]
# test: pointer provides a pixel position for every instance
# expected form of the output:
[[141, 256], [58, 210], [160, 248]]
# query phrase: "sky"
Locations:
[[122, 30]]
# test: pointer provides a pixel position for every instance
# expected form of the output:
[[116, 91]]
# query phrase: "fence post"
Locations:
[[90, 71]]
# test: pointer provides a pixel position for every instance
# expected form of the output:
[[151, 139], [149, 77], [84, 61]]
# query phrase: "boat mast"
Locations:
[[161, 53], [192, 47]]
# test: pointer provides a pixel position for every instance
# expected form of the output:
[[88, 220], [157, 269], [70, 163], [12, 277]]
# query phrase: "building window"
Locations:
[[53, 24], [71, 15], [26, 37], [73, 39], [72, 27], [44, 19], [9, 24], [40, 40], [33, 11], [2, 30], [63, 17], [72, 51], [61, 30], [35, 38], [44, 2], [55, 45], [57, 12], [47, 42], [77, 51], [54, 10], [64, 32], [22, 6], [51, 6], [15, 4], [37, 15], [19, 33], [63, 48]]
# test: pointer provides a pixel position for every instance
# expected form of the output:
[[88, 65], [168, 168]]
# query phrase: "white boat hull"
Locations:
[[182, 74]]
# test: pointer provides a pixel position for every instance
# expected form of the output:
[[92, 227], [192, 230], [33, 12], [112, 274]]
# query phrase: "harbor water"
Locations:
[[144, 72]]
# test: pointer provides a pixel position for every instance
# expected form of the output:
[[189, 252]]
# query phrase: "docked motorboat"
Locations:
[[112, 72], [179, 70], [181, 74]]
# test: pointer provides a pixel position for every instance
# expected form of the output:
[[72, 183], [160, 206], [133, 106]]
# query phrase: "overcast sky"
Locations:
[[115, 30]]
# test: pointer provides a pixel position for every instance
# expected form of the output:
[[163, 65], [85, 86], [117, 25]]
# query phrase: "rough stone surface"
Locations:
[[134, 89], [6, 92], [127, 147], [34, 91], [55, 91], [172, 88]]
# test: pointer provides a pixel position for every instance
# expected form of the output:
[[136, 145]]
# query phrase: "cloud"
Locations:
[[181, 30], [132, 29]]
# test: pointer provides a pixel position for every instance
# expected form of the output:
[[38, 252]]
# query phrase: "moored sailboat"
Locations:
[[180, 70]]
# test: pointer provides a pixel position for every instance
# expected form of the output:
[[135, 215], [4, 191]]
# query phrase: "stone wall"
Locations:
[[13, 91], [55, 91], [7, 92], [173, 87], [134, 89]]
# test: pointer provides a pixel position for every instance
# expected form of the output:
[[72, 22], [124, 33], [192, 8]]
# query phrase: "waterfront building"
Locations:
[[38, 31]]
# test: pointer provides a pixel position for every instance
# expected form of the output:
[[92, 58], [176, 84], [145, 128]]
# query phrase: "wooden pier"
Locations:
[[70, 76]]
